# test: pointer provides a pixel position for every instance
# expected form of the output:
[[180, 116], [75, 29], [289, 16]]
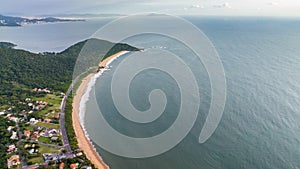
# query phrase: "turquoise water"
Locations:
[[260, 126]]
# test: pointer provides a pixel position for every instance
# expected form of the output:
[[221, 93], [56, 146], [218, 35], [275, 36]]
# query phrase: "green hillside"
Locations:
[[20, 70]]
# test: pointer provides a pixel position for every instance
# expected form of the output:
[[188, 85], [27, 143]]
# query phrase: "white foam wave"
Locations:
[[85, 97]]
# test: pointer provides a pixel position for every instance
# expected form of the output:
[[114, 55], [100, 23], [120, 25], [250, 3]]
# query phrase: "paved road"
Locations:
[[65, 139], [23, 161]]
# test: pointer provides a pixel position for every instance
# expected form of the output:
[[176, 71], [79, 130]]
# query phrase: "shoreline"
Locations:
[[84, 142]]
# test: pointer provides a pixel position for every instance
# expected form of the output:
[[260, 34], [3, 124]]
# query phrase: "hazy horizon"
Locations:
[[277, 8]]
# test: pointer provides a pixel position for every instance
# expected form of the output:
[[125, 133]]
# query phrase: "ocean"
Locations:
[[52, 37], [260, 125]]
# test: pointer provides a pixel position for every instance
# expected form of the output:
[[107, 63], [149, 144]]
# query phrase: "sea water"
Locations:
[[260, 126]]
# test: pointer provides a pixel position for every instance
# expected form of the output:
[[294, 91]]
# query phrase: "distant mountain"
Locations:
[[7, 45], [84, 15], [19, 21]]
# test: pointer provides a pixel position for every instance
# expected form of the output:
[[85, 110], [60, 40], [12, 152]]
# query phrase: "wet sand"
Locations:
[[83, 142]]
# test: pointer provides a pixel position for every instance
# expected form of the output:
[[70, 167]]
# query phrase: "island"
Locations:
[[20, 21]]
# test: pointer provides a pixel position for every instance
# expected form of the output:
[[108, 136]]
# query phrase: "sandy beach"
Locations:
[[83, 142]]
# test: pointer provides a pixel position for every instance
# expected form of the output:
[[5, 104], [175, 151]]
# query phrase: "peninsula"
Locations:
[[20, 21], [37, 114]]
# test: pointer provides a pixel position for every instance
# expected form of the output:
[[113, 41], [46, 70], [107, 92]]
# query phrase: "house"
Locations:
[[33, 121], [50, 157], [61, 165], [79, 154], [87, 167], [14, 136], [31, 151], [27, 133], [35, 135], [9, 128], [73, 166], [56, 116], [12, 118], [41, 90], [47, 120], [11, 148], [54, 139], [53, 132], [13, 160]]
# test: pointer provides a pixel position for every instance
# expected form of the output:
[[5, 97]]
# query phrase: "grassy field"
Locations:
[[51, 99], [47, 140], [42, 150], [54, 105], [44, 140], [46, 149], [48, 125]]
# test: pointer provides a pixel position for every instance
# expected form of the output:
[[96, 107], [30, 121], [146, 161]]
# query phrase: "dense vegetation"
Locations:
[[21, 71], [4, 140], [7, 45]]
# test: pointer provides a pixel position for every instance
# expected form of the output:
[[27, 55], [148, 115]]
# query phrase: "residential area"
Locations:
[[34, 127]]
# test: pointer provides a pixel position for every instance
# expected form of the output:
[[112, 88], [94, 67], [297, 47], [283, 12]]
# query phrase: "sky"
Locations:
[[177, 7]]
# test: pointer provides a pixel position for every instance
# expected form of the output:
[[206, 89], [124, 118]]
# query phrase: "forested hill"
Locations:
[[20, 70]]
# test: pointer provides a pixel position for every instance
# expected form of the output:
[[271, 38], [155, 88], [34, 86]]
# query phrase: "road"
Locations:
[[62, 123], [65, 139], [23, 161]]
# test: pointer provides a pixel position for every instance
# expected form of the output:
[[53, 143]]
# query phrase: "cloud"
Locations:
[[194, 7], [197, 6], [224, 5], [273, 3]]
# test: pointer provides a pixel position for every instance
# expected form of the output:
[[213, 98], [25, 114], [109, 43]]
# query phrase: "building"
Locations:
[[47, 120], [13, 161], [10, 128], [61, 165], [11, 148], [54, 139], [35, 135], [27, 133], [73, 166], [14, 136]]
